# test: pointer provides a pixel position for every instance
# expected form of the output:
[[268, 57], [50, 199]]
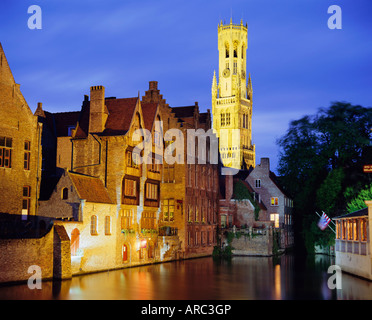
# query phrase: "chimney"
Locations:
[[265, 163], [153, 85], [98, 114], [229, 187]]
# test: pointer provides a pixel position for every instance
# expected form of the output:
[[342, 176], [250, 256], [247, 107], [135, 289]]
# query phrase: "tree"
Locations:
[[358, 202], [320, 156]]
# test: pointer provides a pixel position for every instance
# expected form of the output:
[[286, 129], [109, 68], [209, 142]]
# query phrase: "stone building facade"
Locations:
[[278, 203], [20, 148]]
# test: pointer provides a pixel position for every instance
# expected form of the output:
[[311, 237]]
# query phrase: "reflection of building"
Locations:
[[232, 98], [20, 149], [353, 245], [279, 205]]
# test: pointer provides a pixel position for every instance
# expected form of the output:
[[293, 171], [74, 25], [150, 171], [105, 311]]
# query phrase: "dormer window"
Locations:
[[64, 193]]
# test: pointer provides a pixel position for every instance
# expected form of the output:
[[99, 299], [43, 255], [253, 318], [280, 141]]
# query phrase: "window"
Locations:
[[223, 122], [275, 218], [356, 229], [6, 152], [130, 188], [27, 155], [349, 230], [132, 159], [151, 191], [75, 236], [274, 201], [69, 130], [26, 199], [93, 225], [235, 67], [168, 210], [148, 220], [189, 213], [64, 193], [107, 225], [169, 173], [227, 50], [343, 229], [338, 230], [126, 219], [363, 230], [155, 164], [228, 118], [258, 183]]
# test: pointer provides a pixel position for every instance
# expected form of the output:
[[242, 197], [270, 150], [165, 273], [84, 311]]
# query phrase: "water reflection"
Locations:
[[240, 278]]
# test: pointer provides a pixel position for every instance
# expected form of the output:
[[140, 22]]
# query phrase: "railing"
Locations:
[[167, 231]]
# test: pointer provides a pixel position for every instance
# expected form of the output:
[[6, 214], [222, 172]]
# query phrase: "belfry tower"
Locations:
[[232, 98]]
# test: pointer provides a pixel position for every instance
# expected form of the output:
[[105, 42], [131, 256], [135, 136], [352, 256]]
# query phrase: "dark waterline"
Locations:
[[241, 278]]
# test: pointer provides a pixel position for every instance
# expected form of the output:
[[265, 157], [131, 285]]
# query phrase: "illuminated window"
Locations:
[[6, 152], [356, 229], [338, 229], [349, 230], [343, 229], [27, 155], [93, 225], [168, 210], [107, 225], [274, 201], [363, 229], [275, 218], [26, 199]]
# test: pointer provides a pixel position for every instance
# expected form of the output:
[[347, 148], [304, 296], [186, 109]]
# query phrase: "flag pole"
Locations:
[[331, 219]]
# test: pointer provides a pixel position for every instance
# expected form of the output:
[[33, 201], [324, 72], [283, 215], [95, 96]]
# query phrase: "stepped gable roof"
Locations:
[[149, 111], [91, 189]]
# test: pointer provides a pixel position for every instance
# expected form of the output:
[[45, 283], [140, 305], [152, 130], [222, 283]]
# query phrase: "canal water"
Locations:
[[241, 278]]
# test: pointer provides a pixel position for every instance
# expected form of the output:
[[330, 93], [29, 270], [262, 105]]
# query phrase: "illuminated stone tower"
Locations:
[[232, 98]]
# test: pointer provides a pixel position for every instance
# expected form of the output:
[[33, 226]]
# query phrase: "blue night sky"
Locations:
[[297, 63]]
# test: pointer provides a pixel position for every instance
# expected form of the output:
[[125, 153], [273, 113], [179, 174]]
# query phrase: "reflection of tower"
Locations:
[[232, 98]]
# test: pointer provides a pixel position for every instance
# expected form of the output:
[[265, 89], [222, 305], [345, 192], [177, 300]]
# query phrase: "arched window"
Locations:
[[75, 236], [227, 50], [64, 193], [93, 225]]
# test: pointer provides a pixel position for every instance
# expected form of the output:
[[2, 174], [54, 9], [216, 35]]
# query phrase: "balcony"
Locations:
[[168, 231]]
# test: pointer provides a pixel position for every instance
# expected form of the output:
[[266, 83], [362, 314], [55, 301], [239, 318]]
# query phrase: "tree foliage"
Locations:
[[358, 203], [320, 156]]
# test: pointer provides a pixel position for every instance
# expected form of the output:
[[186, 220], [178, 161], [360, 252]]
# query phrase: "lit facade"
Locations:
[[232, 98]]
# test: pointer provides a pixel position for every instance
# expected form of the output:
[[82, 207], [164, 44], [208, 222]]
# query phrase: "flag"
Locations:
[[324, 221]]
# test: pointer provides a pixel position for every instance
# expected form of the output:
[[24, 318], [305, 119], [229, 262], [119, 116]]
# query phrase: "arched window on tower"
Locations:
[[227, 50]]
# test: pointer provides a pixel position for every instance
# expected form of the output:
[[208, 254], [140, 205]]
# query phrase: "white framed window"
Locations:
[[275, 218]]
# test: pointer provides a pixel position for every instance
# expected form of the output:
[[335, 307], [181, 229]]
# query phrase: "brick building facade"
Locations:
[[20, 147]]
